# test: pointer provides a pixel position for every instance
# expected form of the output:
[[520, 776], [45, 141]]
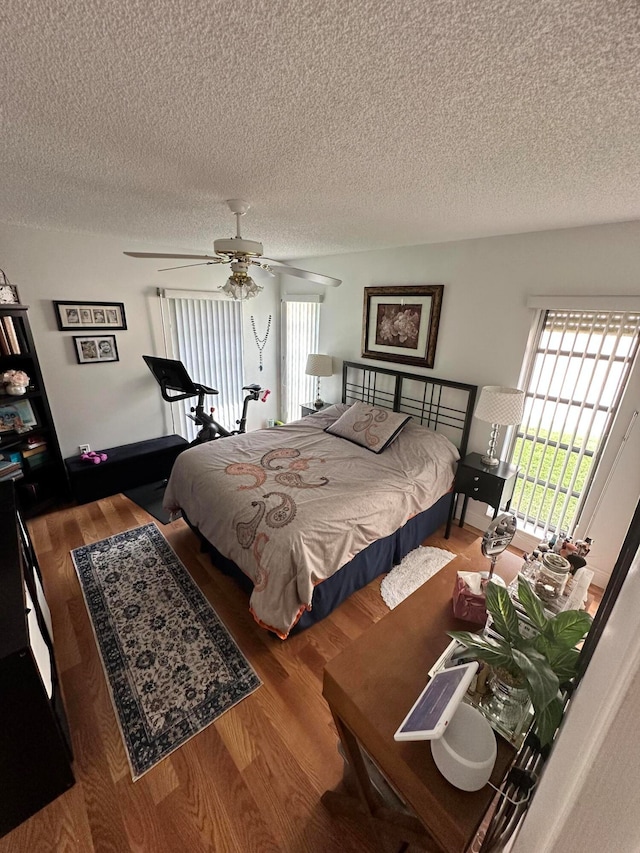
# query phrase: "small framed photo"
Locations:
[[88, 316], [26, 413], [8, 292], [94, 349], [11, 418], [400, 323]]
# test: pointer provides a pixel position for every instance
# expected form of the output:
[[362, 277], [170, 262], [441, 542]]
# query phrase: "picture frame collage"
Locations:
[[93, 318]]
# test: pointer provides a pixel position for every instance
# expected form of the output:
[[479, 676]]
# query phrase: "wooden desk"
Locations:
[[370, 687]]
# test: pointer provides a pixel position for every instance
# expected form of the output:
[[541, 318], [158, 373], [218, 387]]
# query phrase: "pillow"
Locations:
[[369, 426]]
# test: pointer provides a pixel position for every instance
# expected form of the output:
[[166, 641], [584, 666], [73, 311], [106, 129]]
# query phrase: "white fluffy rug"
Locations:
[[416, 568]]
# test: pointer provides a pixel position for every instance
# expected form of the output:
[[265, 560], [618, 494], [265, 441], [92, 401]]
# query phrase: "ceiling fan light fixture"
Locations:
[[241, 286]]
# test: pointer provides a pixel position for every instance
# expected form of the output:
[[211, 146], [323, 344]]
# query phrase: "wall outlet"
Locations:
[[84, 448]]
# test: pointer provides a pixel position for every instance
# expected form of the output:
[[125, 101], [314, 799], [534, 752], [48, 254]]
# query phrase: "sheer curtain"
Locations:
[[300, 336], [204, 332]]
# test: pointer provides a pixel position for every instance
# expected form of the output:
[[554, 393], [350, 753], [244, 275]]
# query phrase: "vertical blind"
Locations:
[[301, 335], [574, 380], [206, 335]]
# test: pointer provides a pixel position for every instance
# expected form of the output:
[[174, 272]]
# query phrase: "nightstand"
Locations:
[[310, 409], [492, 485]]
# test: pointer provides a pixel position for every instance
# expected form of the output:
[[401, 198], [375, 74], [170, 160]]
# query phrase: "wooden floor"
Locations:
[[252, 780]]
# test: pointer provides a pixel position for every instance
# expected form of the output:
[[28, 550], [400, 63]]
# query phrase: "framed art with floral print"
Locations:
[[401, 323]]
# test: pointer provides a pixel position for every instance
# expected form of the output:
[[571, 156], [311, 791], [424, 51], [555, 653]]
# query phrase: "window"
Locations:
[[204, 332], [300, 336], [574, 380]]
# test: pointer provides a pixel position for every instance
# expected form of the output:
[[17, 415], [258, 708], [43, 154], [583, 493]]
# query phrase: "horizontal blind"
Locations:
[[575, 381], [206, 335]]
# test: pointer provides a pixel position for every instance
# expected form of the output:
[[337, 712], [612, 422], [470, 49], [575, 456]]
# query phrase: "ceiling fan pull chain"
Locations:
[[260, 342]]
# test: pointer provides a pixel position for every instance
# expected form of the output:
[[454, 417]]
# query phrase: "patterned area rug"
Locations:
[[414, 570], [171, 665]]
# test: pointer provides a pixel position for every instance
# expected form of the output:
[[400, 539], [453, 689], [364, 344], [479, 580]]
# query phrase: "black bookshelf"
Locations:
[[28, 436]]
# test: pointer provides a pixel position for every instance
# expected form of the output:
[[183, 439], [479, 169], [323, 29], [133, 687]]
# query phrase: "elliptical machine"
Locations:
[[171, 375]]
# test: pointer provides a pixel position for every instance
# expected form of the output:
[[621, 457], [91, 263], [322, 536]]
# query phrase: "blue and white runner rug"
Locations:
[[171, 665]]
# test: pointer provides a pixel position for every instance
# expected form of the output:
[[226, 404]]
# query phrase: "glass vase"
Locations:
[[506, 704]]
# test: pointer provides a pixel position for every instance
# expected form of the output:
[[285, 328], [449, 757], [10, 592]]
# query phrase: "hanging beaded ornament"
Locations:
[[260, 342]]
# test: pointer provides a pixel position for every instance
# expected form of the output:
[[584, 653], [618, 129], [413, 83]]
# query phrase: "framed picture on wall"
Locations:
[[86, 316], [401, 323], [95, 349]]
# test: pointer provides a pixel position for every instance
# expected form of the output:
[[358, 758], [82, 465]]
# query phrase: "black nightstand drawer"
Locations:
[[479, 485], [493, 485]]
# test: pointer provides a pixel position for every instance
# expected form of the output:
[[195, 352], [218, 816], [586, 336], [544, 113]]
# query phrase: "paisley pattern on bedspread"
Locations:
[[285, 511]]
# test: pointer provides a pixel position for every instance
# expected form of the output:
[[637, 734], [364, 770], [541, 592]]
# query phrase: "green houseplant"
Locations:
[[539, 660]]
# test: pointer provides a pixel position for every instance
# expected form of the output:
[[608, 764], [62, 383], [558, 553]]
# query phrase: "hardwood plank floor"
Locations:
[[251, 781]]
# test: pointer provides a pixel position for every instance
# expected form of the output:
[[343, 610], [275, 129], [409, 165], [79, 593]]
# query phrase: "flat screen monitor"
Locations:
[[170, 374]]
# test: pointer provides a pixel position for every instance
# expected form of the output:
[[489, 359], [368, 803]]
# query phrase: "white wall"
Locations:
[[485, 322], [482, 336], [587, 796], [106, 405]]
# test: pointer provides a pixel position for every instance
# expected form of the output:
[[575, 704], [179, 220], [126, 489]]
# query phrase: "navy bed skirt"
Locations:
[[376, 559]]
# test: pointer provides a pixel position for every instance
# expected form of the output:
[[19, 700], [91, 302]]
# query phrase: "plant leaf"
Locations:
[[564, 662], [569, 627], [547, 720], [542, 682], [504, 614], [532, 604], [495, 654]]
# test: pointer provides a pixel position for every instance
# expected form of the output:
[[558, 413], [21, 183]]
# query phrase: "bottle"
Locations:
[[533, 566]]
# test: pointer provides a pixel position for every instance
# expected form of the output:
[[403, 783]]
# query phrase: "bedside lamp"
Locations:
[[500, 407], [319, 365]]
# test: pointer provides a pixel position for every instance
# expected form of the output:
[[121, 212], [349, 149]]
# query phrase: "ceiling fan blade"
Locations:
[[315, 277], [262, 266], [184, 266], [212, 258]]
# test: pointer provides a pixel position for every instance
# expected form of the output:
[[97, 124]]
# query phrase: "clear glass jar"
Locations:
[[552, 576]]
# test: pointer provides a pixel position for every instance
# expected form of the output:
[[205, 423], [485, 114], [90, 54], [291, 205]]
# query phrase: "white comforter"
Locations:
[[291, 505]]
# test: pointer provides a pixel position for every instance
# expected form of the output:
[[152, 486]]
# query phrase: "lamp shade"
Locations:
[[499, 405], [319, 365]]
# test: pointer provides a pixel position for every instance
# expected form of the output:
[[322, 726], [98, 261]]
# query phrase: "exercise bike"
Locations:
[[171, 375]]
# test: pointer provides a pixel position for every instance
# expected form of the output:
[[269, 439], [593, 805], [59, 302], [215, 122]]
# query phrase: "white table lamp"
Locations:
[[319, 365], [500, 407]]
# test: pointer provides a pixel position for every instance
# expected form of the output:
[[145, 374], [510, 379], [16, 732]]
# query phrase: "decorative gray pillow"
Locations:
[[369, 426]]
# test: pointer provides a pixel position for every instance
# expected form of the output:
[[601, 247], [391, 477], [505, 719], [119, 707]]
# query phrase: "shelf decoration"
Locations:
[[12, 418], [15, 382], [8, 292]]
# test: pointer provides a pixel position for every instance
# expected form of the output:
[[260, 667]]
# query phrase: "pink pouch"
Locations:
[[467, 603]]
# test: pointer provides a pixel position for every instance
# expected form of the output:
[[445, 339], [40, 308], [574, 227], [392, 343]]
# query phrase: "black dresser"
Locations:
[[35, 747]]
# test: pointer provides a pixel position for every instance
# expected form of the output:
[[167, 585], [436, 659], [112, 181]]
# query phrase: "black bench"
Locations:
[[126, 467]]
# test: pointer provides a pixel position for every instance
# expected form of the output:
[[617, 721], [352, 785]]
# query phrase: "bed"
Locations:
[[303, 515]]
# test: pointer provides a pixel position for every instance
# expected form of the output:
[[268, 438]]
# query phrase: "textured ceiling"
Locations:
[[348, 125]]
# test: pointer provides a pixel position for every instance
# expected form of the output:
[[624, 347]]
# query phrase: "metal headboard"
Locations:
[[439, 404]]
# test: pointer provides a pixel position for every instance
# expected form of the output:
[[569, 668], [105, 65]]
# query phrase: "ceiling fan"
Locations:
[[242, 255]]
